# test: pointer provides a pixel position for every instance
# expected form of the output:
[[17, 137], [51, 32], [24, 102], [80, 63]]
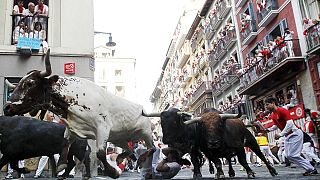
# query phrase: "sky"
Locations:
[[143, 30]]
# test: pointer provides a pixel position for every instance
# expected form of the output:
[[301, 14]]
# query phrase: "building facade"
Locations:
[[200, 70], [241, 52], [71, 46], [115, 75]]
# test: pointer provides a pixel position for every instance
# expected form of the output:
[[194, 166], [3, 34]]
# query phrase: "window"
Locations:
[[310, 8], [30, 20], [119, 91], [7, 90], [117, 72]]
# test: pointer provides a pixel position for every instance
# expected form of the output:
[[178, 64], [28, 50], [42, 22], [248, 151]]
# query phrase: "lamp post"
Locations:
[[110, 43]]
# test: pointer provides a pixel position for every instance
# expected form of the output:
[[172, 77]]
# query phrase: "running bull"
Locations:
[[216, 135], [87, 109], [23, 137]]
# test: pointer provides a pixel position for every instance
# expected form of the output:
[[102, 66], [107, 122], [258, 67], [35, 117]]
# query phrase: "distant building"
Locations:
[[115, 75]]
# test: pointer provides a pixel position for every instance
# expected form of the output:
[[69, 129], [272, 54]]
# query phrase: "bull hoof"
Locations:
[[220, 176], [251, 175], [232, 174], [113, 175], [24, 170], [273, 171], [197, 176], [61, 177], [61, 167], [85, 178]]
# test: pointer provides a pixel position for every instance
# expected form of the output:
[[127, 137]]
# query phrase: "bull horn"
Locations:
[[48, 70], [228, 116], [157, 114], [10, 85], [186, 113], [191, 121]]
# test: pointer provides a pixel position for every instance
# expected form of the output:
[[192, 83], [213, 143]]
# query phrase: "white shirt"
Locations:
[[45, 10]]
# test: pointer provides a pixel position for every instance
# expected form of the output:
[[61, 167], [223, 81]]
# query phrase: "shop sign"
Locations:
[[69, 68]]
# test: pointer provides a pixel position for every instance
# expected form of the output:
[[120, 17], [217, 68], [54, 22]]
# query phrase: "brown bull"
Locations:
[[216, 135]]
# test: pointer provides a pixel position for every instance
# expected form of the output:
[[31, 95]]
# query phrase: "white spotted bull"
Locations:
[[88, 110]]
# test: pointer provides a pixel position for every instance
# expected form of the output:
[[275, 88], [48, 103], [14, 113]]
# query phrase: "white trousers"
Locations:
[[268, 154], [309, 152], [20, 165], [43, 161], [293, 145], [282, 154]]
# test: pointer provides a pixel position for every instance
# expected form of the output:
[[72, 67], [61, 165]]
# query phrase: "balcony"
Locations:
[[266, 74], [185, 53], [268, 14], [209, 32], [193, 45], [230, 38], [220, 49], [240, 3], [228, 79], [199, 36], [204, 88], [223, 9], [248, 32], [313, 39], [213, 60], [29, 29], [215, 22], [202, 62]]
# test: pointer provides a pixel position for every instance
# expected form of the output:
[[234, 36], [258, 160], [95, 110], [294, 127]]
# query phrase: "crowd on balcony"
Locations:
[[312, 31], [245, 22], [266, 57], [230, 104], [222, 76], [31, 22]]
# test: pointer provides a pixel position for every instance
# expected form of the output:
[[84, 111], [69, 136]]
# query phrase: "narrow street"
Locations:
[[261, 173]]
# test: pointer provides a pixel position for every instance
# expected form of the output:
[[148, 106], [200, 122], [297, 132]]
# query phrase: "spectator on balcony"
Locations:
[[21, 30], [261, 4], [31, 10], [280, 50], [246, 19], [41, 8], [29, 13], [287, 37], [307, 23], [39, 33], [18, 11]]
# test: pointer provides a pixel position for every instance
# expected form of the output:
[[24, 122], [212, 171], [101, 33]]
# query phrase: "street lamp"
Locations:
[[110, 43]]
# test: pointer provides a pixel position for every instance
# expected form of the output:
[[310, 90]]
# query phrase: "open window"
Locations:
[[30, 23], [7, 89]]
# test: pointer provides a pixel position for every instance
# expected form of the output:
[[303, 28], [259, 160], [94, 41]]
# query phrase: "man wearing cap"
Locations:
[[293, 135]]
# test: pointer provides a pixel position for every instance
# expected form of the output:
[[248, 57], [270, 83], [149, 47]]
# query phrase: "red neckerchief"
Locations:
[[41, 7], [20, 9]]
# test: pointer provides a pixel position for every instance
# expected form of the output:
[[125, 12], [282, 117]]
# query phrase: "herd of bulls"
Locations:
[[93, 113]]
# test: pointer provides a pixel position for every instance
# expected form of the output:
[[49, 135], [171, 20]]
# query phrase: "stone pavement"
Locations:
[[261, 173]]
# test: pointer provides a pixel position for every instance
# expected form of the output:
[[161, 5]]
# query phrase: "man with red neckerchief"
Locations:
[[293, 135]]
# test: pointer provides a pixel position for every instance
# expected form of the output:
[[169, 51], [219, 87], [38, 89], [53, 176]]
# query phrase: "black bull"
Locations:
[[218, 139], [23, 138]]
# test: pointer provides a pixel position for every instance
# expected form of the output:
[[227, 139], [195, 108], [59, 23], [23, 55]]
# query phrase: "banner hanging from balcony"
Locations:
[[70, 68], [32, 43]]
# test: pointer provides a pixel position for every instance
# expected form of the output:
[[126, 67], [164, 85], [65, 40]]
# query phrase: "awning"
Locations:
[[282, 72]]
